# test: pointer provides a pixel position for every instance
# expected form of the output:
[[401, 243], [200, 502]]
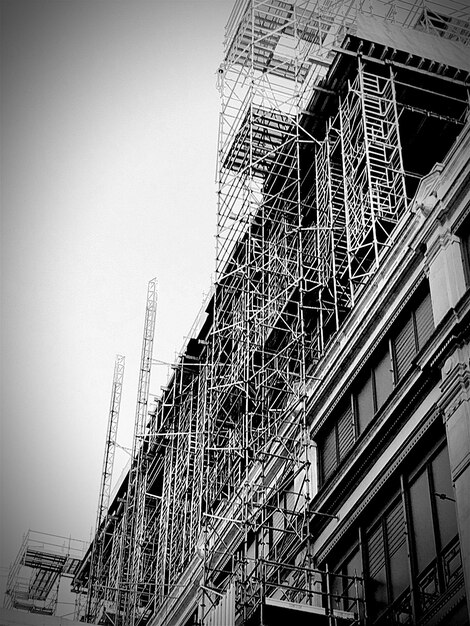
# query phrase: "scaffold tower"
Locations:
[[258, 448], [130, 560], [42, 562], [97, 578]]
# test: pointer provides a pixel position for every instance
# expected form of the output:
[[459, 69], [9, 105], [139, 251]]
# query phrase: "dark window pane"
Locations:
[[345, 432], [422, 521], [465, 236], [377, 574], [405, 349], [445, 508], [344, 588], [336, 586], [424, 320], [354, 565], [397, 550], [328, 454], [383, 379], [365, 405], [352, 588]]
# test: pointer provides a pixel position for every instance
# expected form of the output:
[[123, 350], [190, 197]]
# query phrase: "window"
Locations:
[[375, 389], [415, 330], [344, 588], [383, 378], [420, 549], [345, 433], [444, 494], [405, 349], [280, 522], [411, 543], [377, 580], [336, 443], [387, 554], [329, 453], [433, 510], [424, 321], [436, 559], [395, 535], [365, 404], [421, 515], [374, 384], [465, 247]]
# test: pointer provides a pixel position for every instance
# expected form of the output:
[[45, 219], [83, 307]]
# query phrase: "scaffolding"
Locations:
[[179, 440], [311, 185], [42, 562], [260, 345], [322, 143], [111, 575], [130, 560], [97, 576]]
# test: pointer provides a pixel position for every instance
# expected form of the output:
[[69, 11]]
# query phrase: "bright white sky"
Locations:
[[109, 115]]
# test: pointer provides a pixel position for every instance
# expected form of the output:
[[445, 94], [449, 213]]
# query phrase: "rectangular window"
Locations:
[[329, 459], [421, 514], [465, 247], [397, 551], [445, 499], [412, 543], [374, 391], [404, 348], [377, 570], [336, 443], [411, 337], [388, 558], [383, 379], [365, 405], [345, 433], [344, 588], [424, 320]]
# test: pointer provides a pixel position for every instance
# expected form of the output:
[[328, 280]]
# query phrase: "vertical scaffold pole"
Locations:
[[95, 583], [127, 592]]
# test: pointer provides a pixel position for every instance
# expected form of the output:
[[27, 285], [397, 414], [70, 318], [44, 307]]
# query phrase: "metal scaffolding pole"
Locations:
[[97, 580], [130, 555]]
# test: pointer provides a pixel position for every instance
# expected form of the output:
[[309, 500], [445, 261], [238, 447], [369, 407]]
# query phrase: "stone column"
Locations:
[[445, 271], [446, 275], [455, 406]]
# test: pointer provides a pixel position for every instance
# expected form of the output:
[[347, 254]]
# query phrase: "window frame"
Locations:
[[406, 479]]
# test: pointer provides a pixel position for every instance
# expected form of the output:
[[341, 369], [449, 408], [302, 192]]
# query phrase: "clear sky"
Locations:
[[109, 115]]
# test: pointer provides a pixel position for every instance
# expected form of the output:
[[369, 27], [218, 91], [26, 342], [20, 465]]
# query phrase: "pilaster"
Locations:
[[455, 407], [445, 270]]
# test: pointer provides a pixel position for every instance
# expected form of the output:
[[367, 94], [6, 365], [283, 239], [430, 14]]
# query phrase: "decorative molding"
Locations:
[[463, 216], [445, 604]]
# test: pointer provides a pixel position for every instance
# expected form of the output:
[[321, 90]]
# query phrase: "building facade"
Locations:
[[309, 460]]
